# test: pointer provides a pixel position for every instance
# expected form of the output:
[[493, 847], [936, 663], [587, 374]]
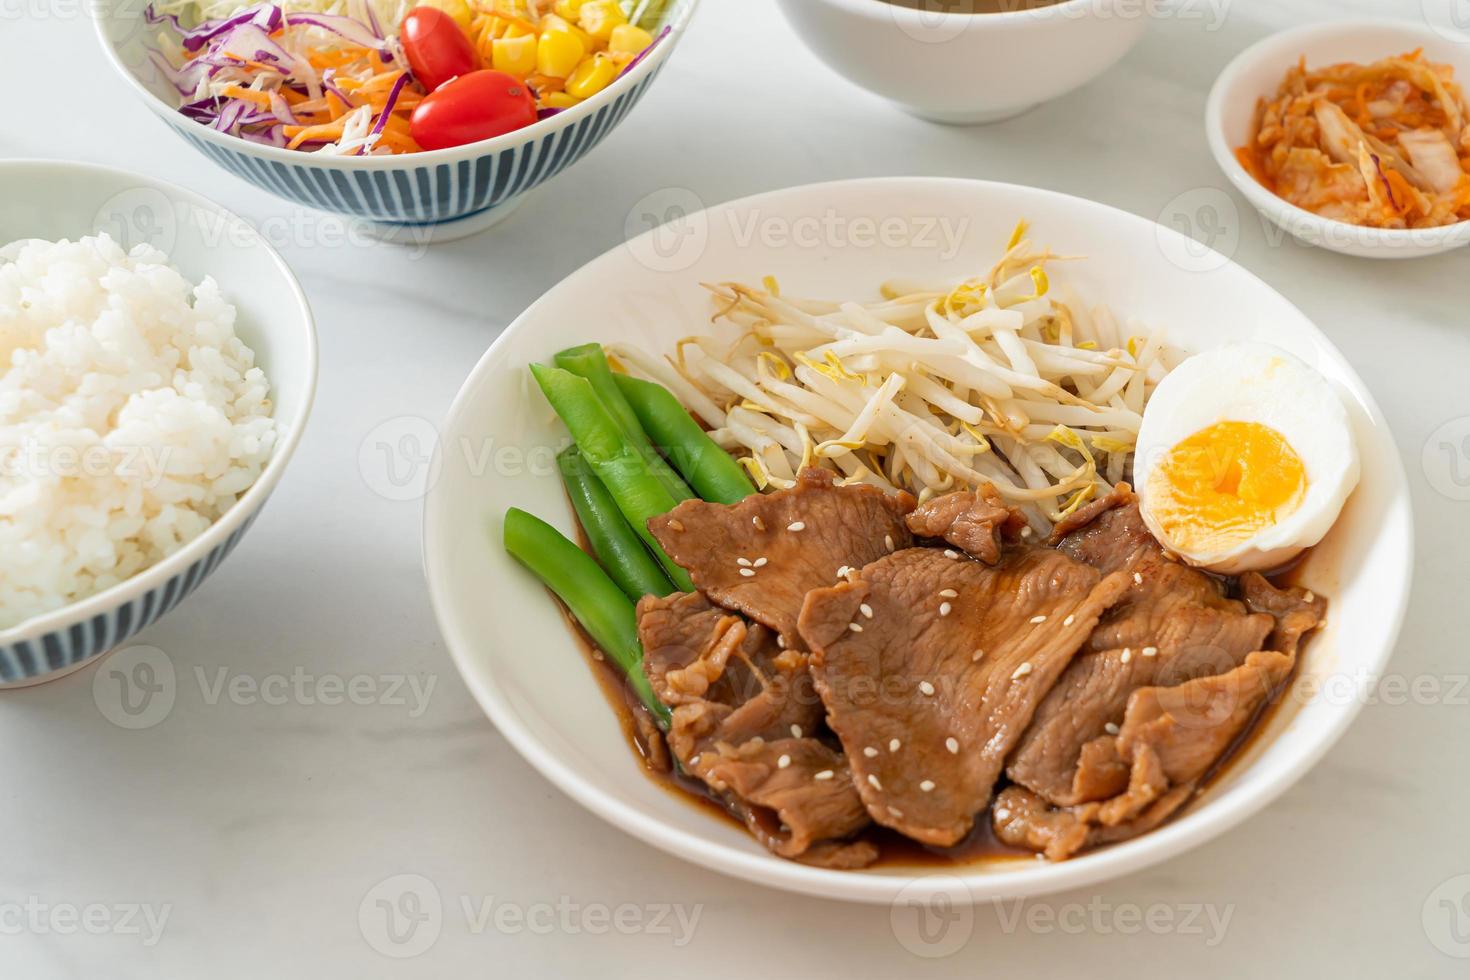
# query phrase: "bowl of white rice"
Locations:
[[157, 365]]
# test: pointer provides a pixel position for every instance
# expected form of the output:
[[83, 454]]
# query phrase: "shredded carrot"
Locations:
[[249, 95]]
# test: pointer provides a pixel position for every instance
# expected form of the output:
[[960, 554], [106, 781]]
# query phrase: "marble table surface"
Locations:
[[259, 825]]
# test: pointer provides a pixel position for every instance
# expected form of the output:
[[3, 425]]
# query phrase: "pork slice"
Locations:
[[762, 555], [930, 666], [1023, 819], [1296, 611], [1170, 738], [1173, 624], [976, 522], [744, 719]]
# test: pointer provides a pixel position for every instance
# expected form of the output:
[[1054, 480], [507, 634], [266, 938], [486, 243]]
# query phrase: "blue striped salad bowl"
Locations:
[[51, 631], [416, 197]]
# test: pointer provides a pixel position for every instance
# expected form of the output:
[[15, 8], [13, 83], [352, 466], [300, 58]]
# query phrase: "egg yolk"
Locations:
[[1223, 485]]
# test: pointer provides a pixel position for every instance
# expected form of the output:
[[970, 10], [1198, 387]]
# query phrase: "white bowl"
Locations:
[[526, 668], [436, 195], [1257, 72], [968, 68], [52, 200]]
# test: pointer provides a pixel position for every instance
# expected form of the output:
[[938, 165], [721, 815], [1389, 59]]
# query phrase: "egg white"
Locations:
[[1255, 382]]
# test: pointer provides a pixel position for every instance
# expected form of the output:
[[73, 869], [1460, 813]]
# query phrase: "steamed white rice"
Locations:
[[131, 417]]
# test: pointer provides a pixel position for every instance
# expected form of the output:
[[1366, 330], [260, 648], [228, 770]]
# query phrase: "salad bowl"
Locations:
[[435, 195], [54, 200], [526, 667]]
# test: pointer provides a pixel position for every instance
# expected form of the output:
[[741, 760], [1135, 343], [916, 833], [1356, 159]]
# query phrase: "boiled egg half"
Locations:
[[1245, 458]]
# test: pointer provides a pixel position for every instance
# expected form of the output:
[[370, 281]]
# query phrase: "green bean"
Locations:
[[708, 468], [594, 599], [590, 361], [617, 548], [620, 467]]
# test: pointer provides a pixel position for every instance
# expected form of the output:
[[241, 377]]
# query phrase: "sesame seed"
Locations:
[[1110, 728], [796, 526], [743, 562], [927, 785], [1002, 814], [1022, 671], [926, 687], [855, 627], [1069, 620], [841, 572], [949, 593], [676, 525], [1150, 651], [796, 731], [866, 610], [944, 608], [597, 655], [1310, 596], [1127, 654], [1026, 532], [893, 744], [888, 543], [781, 640], [953, 745], [1041, 857], [761, 562], [748, 572], [694, 760], [783, 762], [895, 811], [760, 525], [824, 774], [873, 781], [1137, 578], [951, 553], [870, 752], [977, 656], [1038, 619]]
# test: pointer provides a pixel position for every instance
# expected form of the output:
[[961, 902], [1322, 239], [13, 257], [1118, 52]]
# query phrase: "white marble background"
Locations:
[[260, 828]]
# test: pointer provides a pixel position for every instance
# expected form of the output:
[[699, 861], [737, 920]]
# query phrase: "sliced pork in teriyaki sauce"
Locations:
[[850, 660]]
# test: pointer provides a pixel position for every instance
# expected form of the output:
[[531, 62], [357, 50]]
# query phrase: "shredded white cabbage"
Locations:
[[933, 388], [388, 12]]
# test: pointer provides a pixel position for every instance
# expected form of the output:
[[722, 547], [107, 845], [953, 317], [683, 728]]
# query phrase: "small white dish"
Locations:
[[1257, 72], [527, 669], [968, 68], [54, 200]]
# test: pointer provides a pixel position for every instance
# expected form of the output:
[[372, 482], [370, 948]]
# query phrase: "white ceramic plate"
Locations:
[[1257, 72], [842, 239]]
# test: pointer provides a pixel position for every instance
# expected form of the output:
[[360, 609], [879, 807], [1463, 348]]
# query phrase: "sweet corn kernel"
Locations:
[[551, 22], [514, 55], [592, 76], [456, 9], [559, 53], [569, 9], [629, 39], [558, 100], [600, 17]]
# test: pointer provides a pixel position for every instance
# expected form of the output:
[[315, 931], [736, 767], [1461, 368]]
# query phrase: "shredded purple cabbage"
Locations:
[[388, 105], [346, 28]]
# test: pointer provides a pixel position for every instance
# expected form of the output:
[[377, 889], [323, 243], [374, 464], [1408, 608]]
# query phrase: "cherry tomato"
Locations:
[[437, 48], [472, 107]]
